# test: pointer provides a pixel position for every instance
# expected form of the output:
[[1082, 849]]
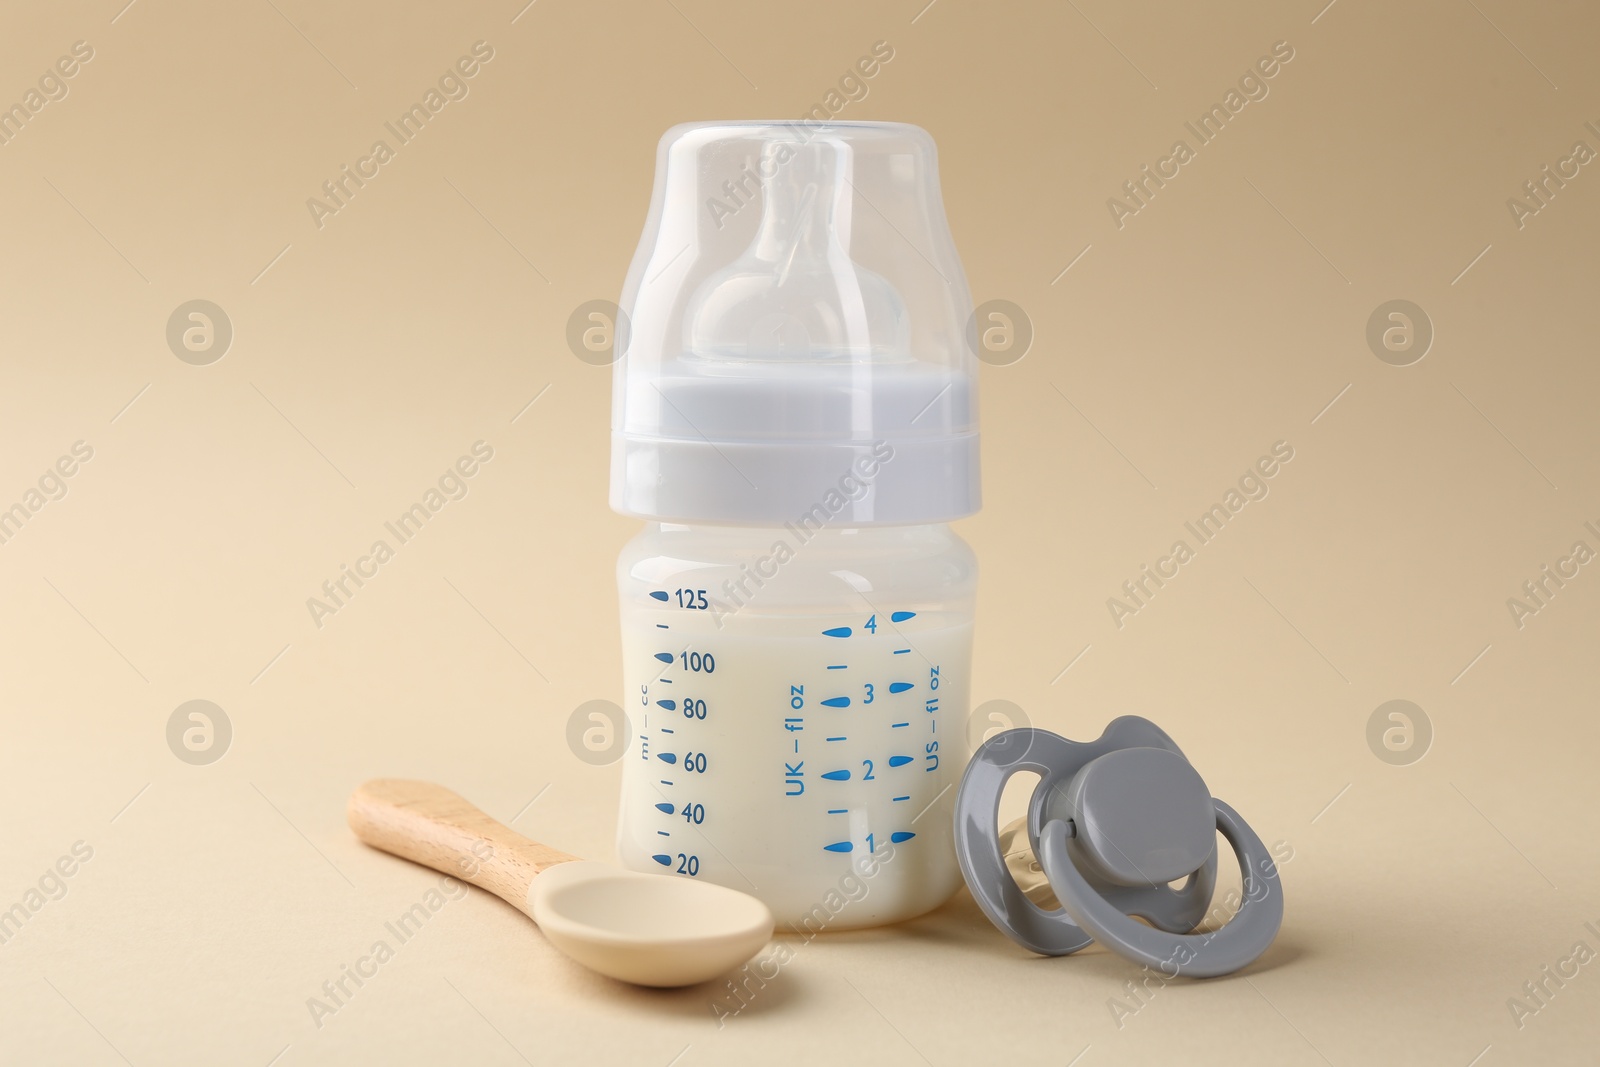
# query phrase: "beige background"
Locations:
[[428, 313]]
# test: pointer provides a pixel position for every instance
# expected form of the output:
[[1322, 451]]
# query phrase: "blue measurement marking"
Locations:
[[664, 681], [899, 761], [901, 835], [659, 594], [836, 702], [838, 811], [662, 626], [840, 846], [900, 687], [665, 861], [664, 657], [663, 833], [836, 739], [902, 616], [837, 631], [666, 729], [665, 808], [837, 666], [901, 651], [897, 725], [670, 705], [837, 776], [906, 797], [665, 782], [672, 757]]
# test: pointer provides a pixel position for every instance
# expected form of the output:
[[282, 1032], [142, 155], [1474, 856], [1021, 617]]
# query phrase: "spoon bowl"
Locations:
[[648, 929]]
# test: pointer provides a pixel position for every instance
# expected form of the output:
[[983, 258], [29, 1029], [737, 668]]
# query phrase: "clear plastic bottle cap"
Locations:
[[794, 333]]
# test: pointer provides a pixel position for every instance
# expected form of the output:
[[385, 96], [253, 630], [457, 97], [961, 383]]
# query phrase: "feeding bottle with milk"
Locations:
[[795, 418]]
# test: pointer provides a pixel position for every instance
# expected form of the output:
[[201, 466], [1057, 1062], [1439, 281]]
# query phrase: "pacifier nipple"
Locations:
[[1024, 866], [1112, 823]]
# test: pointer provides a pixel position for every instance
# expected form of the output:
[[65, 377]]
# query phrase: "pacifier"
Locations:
[[1113, 823]]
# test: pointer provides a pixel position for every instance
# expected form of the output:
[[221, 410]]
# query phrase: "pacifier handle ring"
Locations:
[[1237, 944], [1049, 933]]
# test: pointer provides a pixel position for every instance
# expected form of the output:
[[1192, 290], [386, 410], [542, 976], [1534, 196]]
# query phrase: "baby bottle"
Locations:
[[795, 420]]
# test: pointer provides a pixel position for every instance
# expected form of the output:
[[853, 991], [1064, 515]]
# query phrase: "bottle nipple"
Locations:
[[795, 295]]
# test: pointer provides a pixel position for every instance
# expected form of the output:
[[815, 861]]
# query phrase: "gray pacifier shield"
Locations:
[[1057, 761]]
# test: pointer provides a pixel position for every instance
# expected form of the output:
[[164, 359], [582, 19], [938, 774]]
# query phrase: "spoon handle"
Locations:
[[430, 825]]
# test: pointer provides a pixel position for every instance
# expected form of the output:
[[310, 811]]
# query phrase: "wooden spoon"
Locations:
[[654, 930]]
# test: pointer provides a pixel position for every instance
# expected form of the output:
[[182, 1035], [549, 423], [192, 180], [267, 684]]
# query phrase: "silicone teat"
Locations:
[[795, 295]]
